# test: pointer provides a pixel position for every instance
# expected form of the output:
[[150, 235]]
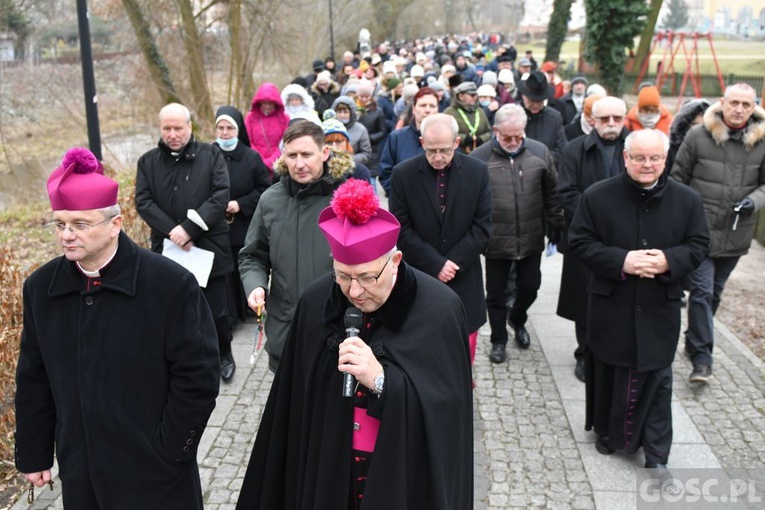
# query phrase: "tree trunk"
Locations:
[[646, 38], [557, 29], [234, 32], [158, 70], [202, 104], [386, 13]]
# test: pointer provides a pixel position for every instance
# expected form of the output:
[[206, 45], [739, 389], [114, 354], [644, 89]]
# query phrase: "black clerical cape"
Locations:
[[424, 453]]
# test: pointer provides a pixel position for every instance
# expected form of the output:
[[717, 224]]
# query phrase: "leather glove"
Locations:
[[744, 207], [554, 236], [478, 141], [468, 141]]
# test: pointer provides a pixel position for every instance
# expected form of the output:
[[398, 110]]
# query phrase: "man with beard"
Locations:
[[585, 161], [524, 204]]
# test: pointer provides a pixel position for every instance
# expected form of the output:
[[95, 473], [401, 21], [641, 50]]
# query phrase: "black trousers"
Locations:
[[216, 294], [528, 279]]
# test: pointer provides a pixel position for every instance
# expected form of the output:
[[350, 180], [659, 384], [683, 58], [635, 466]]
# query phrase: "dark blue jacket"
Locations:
[[401, 145]]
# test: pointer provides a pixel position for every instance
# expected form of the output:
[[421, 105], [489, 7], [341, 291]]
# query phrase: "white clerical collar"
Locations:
[[97, 272]]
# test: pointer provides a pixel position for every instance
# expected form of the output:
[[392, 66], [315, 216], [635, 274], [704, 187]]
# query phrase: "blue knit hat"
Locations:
[[332, 126]]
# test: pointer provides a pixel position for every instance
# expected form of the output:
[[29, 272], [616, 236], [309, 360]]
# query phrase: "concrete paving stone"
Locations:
[[614, 500], [531, 450]]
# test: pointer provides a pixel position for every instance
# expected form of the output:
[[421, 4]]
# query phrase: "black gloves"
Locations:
[[744, 207], [553, 235], [478, 141], [468, 141]]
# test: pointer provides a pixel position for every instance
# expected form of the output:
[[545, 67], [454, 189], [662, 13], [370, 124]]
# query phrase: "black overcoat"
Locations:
[[581, 166], [424, 453], [122, 378], [429, 238], [167, 186], [248, 179], [634, 322]]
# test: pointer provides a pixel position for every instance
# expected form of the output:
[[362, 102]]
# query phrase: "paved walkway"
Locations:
[[531, 449]]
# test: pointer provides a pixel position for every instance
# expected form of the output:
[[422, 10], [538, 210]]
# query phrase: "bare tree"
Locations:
[[158, 70]]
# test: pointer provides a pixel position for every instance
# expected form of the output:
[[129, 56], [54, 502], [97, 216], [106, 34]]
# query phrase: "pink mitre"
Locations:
[[357, 230], [79, 183]]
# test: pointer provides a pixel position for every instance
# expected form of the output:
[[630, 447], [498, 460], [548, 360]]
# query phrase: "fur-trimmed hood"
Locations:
[[337, 166], [684, 118], [754, 132]]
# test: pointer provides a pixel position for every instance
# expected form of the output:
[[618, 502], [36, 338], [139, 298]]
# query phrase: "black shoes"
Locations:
[[601, 445], [701, 373], [579, 369], [227, 367], [522, 337], [497, 353]]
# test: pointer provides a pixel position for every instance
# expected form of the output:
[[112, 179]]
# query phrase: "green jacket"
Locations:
[[285, 243], [476, 118]]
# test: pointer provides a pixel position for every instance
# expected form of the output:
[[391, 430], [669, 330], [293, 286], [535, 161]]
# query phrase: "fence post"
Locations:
[[759, 231]]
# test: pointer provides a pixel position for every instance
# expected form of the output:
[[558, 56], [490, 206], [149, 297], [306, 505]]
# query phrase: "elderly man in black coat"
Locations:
[[118, 367], [401, 437], [638, 233], [443, 200], [585, 161], [181, 192]]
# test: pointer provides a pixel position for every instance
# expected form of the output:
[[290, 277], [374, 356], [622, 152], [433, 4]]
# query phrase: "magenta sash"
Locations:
[[365, 430]]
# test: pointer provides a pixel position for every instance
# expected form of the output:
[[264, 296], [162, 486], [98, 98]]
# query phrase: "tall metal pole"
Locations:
[[331, 34], [88, 80]]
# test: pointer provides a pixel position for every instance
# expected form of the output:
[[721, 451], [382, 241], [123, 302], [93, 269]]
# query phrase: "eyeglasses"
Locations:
[[616, 118], [365, 281], [641, 160], [58, 227], [438, 152]]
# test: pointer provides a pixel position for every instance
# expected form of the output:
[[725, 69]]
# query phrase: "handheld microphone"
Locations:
[[353, 320]]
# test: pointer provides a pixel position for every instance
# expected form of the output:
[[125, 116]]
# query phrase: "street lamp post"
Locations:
[[331, 34], [88, 80]]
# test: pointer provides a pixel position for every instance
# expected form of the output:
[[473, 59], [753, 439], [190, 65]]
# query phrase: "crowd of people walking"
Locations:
[[371, 316]]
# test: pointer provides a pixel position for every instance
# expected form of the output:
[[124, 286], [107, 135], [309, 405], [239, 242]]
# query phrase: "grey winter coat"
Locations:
[[725, 168], [362, 146]]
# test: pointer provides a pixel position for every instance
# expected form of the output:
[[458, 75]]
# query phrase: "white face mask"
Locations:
[[648, 120]]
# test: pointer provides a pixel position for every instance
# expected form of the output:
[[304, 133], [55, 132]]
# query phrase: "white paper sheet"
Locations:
[[196, 260]]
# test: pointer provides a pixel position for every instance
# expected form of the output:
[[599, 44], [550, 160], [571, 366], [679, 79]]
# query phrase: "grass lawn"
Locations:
[[741, 58]]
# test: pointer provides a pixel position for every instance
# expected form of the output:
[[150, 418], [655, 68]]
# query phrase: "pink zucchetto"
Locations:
[[357, 230], [79, 183]]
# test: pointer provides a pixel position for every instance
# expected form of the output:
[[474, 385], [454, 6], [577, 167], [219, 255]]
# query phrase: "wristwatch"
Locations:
[[379, 384]]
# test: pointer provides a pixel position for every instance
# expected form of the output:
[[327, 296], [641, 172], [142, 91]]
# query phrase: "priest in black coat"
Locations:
[[638, 233], [443, 200], [403, 439]]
